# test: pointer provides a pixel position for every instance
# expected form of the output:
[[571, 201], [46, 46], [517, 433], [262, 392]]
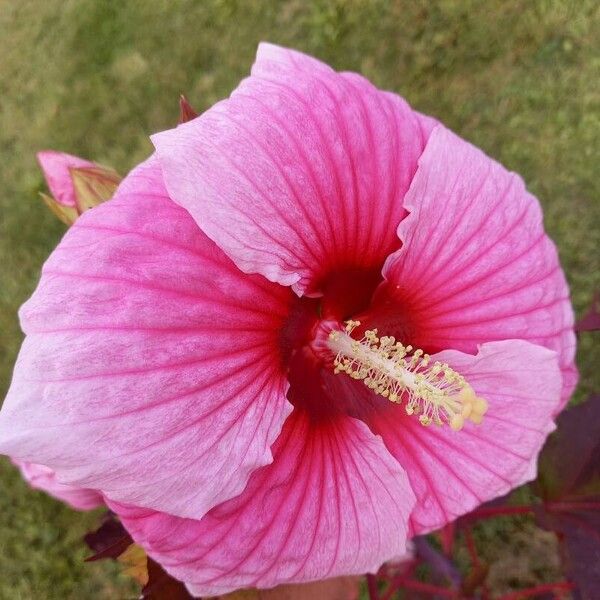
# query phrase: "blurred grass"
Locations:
[[92, 77]]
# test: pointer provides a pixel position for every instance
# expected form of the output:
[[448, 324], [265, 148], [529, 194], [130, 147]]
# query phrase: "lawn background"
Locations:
[[518, 78]]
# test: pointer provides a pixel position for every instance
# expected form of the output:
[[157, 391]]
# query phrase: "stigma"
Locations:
[[433, 392]]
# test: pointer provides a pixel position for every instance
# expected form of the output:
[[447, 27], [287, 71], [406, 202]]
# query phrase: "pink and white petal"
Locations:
[[334, 502], [476, 264], [301, 172], [151, 369], [56, 167], [42, 478], [452, 472]]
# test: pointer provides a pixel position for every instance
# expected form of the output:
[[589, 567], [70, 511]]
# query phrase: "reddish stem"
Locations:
[[471, 547], [426, 588], [499, 511], [447, 538], [485, 592], [573, 505], [411, 568], [538, 589], [372, 587], [392, 589], [403, 582]]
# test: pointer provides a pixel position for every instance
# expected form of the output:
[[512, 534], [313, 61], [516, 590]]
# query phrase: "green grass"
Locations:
[[518, 78]]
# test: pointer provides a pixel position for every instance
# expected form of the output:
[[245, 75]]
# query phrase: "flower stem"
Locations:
[[538, 590], [372, 587], [426, 588], [573, 505], [475, 559], [447, 538], [472, 548]]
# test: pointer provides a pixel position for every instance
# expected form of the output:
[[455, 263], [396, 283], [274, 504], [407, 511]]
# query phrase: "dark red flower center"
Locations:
[[389, 366]]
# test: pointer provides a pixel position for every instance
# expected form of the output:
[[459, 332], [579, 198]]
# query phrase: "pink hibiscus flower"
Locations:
[[183, 343]]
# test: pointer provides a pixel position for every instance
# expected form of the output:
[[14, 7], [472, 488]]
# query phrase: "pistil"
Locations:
[[433, 391]]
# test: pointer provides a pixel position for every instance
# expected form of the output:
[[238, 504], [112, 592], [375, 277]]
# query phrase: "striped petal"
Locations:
[[334, 502], [300, 173], [151, 369]]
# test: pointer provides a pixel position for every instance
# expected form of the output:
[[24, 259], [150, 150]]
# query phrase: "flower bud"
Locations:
[[186, 112], [76, 184]]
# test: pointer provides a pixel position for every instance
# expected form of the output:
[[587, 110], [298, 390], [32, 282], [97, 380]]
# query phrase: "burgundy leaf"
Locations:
[[569, 485], [110, 540], [579, 534], [569, 464], [161, 586]]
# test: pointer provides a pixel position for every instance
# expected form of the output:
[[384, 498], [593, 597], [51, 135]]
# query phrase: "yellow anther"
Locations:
[[476, 418], [437, 394], [466, 395], [480, 406], [457, 422]]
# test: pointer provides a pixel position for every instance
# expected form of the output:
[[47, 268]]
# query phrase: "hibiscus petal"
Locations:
[[452, 472], [300, 172], [55, 166], [475, 264], [334, 502], [43, 478], [151, 367]]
